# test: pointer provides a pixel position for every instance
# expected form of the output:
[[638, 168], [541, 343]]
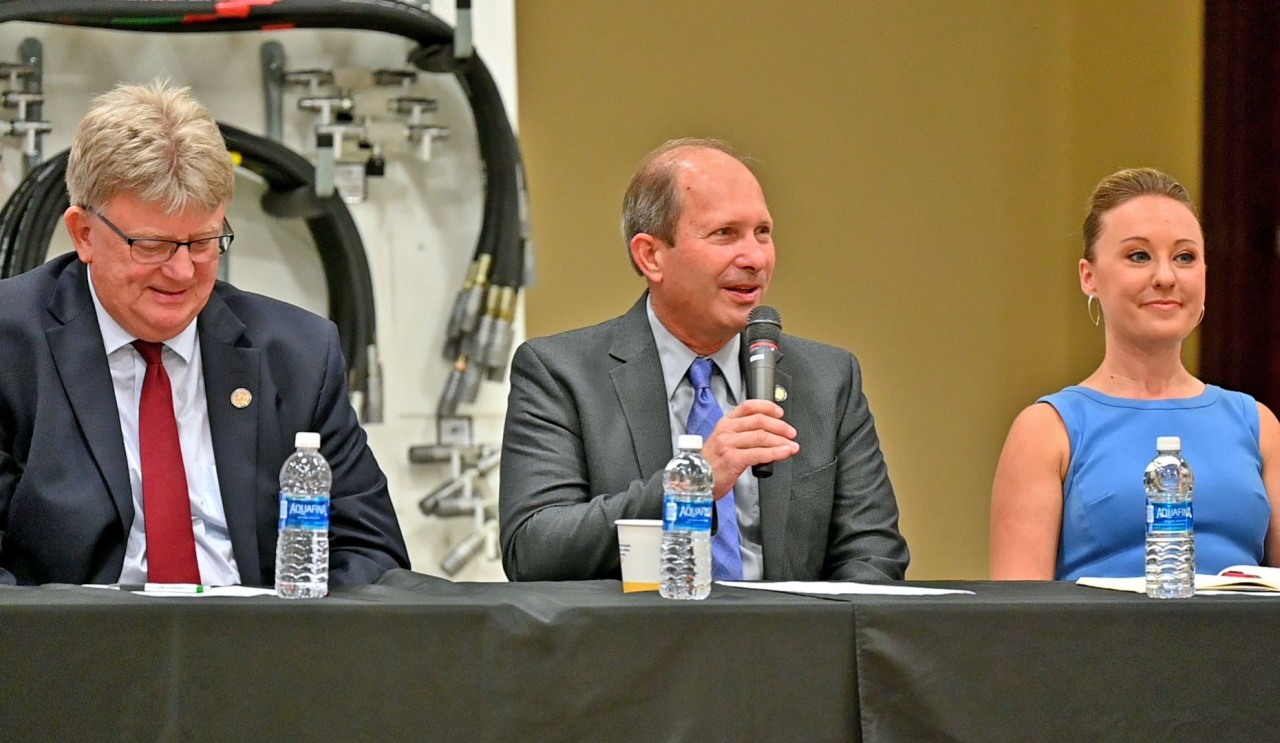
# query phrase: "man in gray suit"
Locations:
[[594, 413]]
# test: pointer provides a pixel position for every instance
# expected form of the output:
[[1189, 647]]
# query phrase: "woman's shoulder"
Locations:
[[1038, 446], [1066, 395], [1078, 397], [1063, 409], [1241, 399], [1243, 408], [1039, 423]]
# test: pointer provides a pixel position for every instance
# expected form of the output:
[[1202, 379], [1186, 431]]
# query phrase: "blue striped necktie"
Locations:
[[726, 551]]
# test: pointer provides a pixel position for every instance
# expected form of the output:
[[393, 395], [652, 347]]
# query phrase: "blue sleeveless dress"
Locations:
[[1112, 441]]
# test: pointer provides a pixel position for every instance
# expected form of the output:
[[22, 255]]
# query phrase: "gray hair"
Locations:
[[154, 142], [652, 204]]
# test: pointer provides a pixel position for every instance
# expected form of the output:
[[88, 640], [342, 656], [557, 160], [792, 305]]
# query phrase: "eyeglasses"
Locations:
[[154, 251]]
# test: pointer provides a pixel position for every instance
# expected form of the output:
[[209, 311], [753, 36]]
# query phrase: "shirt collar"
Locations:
[[676, 357], [115, 337]]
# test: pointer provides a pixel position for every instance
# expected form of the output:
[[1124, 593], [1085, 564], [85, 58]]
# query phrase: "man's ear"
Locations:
[[79, 222], [646, 251]]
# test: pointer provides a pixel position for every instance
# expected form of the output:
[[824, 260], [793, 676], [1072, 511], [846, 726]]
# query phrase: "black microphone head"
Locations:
[[763, 324]]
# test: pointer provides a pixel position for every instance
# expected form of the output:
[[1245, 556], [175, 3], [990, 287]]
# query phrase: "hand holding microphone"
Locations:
[[753, 434], [764, 330]]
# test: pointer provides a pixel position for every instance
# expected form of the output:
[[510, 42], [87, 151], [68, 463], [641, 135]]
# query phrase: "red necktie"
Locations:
[[171, 545]]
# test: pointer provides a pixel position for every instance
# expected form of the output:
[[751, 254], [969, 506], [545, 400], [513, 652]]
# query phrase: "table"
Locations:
[[420, 658], [1058, 662]]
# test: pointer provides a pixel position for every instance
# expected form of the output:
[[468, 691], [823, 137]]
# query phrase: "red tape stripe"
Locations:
[[240, 8], [229, 9]]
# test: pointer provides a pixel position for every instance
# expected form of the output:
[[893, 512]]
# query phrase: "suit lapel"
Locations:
[[640, 389], [775, 500], [227, 369], [642, 393], [81, 361]]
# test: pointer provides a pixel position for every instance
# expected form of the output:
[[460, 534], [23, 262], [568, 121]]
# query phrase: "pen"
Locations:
[[161, 587]]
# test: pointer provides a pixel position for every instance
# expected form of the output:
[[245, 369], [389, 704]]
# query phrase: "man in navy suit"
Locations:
[[84, 338]]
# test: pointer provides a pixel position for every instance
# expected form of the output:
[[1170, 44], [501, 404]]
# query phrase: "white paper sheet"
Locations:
[[837, 588], [1139, 585], [224, 591], [190, 592]]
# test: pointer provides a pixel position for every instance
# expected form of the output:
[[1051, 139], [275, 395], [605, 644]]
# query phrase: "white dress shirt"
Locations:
[[181, 357]]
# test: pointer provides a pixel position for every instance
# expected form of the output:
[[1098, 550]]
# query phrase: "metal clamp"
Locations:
[[15, 71], [386, 78], [25, 88], [420, 129], [329, 132], [462, 483], [313, 79], [327, 106]]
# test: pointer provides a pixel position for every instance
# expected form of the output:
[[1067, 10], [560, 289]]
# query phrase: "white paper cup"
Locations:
[[640, 547]]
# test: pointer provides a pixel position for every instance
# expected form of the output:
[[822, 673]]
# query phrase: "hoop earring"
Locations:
[[1201, 316], [1089, 306]]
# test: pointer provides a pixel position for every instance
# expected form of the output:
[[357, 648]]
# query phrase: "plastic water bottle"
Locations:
[[1171, 541], [686, 523], [302, 550]]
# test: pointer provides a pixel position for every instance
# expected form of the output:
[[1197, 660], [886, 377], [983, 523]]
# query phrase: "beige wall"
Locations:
[[925, 163]]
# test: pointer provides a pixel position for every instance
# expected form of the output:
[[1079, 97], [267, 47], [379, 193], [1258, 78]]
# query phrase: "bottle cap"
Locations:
[[306, 440], [689, 441], [1168, 443]]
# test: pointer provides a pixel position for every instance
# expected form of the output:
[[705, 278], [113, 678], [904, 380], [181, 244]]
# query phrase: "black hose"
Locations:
[[31, 215], [498, 145], [16, 210], [49, 201], [291, 179], [501, 234], [190, 16]]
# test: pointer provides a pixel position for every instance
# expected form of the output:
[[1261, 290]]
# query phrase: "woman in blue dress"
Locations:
[[1068, 498]]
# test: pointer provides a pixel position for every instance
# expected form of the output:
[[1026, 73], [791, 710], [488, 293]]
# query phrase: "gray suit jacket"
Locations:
[[588, 434]]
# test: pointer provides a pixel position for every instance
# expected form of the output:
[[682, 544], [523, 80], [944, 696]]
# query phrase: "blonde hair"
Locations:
[[154, 142], [1124, 186]]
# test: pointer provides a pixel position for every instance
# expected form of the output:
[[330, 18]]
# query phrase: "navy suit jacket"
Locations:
[[65, 501]]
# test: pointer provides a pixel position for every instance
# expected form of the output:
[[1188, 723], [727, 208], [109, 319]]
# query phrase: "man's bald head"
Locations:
[[652, 204]]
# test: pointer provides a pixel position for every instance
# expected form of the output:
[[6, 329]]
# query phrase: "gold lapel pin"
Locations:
[[779, 393], [241, 398]]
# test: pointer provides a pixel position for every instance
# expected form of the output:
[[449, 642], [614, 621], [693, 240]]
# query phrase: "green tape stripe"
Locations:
[[143, 21]]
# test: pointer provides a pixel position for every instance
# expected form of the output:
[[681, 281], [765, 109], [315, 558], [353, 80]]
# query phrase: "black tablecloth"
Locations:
[[424, 659], [419, 658], [1058, 662]]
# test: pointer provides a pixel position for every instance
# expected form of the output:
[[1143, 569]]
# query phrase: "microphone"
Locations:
[[764, 328]]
